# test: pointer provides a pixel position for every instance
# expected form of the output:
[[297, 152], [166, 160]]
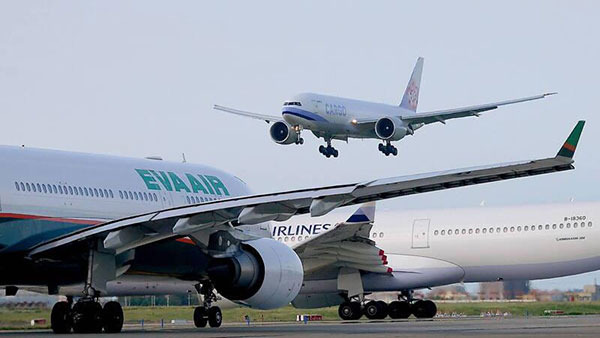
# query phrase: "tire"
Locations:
[[215, 317], [371, 310], [430, 309], [322, 149], [395, 151], [357, 313], [112, 317], [380, 147], [60, 318], [346, 311], [399, 310], [335, 153], [383, 309], [301, 140], [200, 317], [87, 317]]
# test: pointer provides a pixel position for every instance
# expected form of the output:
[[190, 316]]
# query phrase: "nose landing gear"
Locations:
[[388, 149]]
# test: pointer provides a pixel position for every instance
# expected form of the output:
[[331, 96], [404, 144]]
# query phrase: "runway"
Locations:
[[490, 327]]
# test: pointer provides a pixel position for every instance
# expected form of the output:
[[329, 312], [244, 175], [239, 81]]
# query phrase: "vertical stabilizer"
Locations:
[[411, 94], [364, 214]]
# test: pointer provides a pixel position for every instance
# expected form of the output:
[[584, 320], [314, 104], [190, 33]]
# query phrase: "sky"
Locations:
[[139, 78]]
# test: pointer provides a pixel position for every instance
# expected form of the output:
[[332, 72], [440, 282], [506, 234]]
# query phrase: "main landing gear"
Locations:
[[206, 313], [388, 149], [86, 316], [329, 150], [354, 310]]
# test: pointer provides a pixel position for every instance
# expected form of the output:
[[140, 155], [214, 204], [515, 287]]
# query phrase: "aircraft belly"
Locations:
[[531, 271]]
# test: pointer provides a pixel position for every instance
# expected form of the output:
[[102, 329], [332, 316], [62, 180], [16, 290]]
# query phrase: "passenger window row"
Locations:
[[491, 230], [60, 189], [138, 196], [196, 199], [292, 238]]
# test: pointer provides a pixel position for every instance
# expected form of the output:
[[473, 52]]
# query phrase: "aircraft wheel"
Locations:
[[60, 318], [381, 147], [371, 310], [349, 311], [394, 151], [399, 310], [322, 149], [301, 141], [200, 317], [215, 317], [112, 317], [383, 309], [87, 317], [335, 152], [424, 309]]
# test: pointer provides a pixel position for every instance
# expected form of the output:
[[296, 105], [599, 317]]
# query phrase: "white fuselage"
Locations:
[[475, 245], [336, 116]]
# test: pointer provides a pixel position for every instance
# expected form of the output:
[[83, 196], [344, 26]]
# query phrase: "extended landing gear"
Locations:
[[329, 150], [206, 313], [86, 316], [380, 309], [388, 149]]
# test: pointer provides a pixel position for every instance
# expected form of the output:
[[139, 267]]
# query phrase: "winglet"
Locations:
[[568, 149], [364, 214]]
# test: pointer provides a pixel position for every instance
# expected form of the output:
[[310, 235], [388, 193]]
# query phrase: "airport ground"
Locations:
[[581, 326], [180, 317]]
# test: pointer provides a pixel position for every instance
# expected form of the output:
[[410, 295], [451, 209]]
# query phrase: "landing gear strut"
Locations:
[[329, 150], [207, 313], [388, 148], [87, 315]]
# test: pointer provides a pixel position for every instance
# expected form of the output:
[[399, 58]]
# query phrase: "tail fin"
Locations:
[[411, 94], [364, 214]]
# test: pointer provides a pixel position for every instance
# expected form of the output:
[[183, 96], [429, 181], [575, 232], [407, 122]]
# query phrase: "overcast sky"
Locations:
[[139, 78]]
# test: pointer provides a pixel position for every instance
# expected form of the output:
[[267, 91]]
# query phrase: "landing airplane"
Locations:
[[331, 117], [403, 251], [83, 225]]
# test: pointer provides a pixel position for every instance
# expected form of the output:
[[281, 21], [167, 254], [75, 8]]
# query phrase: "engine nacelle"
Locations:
[[265, 274], [283, 133], [390, 128]]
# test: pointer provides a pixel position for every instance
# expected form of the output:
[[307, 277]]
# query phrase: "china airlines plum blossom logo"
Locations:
[[413, 95]]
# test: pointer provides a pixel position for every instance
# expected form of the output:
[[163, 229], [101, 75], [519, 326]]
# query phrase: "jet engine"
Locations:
[[264, 274], [390, 128], [283, 133]]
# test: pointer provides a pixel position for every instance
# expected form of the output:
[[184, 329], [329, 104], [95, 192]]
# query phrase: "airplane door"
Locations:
[[420, 235]]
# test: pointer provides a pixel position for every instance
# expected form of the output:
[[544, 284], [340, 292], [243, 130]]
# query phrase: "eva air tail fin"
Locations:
[[411, 94], [568, 148]]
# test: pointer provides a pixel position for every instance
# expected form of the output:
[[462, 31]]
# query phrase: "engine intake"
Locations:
[[265, 274], [283, 133], [390, 128]]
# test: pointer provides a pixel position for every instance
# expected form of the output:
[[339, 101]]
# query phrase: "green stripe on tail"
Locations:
[[568, 149]]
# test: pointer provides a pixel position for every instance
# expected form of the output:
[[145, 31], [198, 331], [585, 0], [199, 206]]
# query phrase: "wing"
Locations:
[[266, 118], [443, 115], [123, 234], [347, 245]]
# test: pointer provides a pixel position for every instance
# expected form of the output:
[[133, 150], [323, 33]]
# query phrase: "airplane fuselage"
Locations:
[[337, 117], [438, 247]]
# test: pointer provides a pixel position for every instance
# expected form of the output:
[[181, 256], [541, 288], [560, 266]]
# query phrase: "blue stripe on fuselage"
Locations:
[[303, 114]]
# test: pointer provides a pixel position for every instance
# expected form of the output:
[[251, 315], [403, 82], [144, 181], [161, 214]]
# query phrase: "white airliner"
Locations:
[[408, 250], [331, 117], [90, 225]]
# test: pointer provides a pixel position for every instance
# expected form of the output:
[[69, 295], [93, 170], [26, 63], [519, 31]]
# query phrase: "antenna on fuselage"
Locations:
[[183, 160]]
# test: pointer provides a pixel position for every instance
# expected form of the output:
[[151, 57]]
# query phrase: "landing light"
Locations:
[[354, 121]]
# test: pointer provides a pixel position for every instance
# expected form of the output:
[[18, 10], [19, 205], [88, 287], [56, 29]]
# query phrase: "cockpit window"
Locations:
[[292, 103]]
